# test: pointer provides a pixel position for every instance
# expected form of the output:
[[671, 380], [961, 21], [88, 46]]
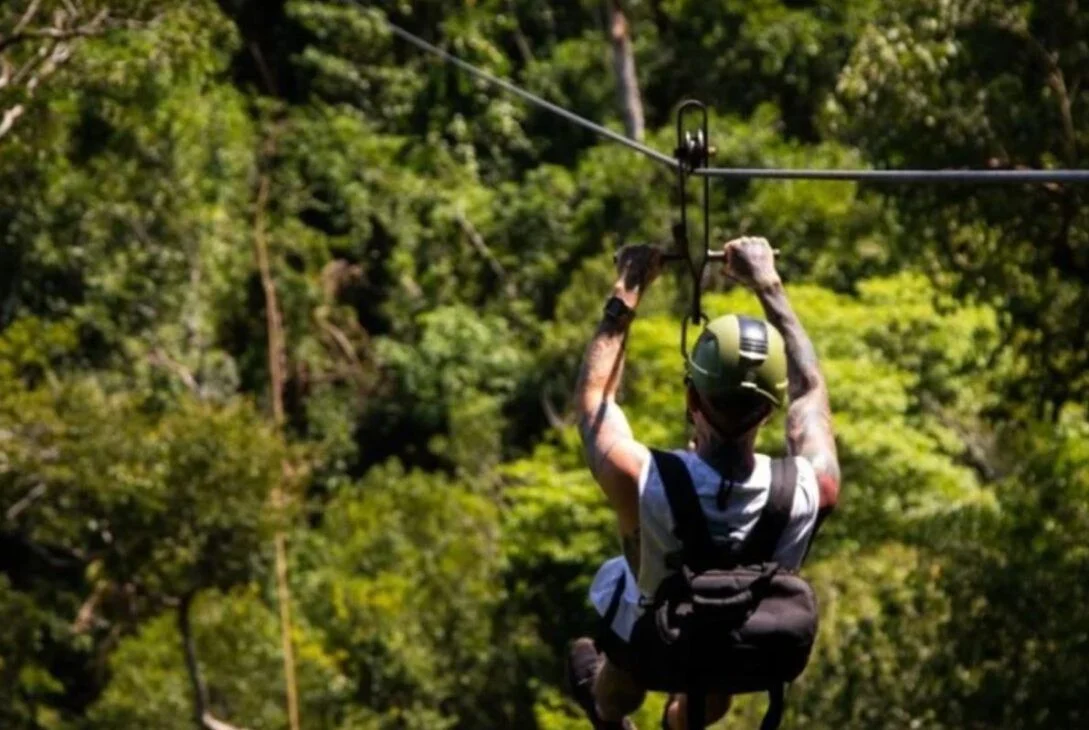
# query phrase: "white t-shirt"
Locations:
[[742, 510]]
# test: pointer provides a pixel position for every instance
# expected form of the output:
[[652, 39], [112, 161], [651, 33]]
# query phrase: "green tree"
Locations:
[[117, 511], [403, 582], [987, 85]]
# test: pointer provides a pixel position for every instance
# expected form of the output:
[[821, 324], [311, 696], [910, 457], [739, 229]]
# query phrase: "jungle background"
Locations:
[[279, 295]]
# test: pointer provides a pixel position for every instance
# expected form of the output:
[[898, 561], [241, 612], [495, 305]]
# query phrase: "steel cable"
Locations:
[[531, 97], [902, 176], [751, 173]]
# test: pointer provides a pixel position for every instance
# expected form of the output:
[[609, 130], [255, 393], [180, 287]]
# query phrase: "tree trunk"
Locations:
[[627, 83], [277, 356]]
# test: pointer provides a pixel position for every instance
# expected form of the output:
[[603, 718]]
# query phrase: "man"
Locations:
[[728, 400]]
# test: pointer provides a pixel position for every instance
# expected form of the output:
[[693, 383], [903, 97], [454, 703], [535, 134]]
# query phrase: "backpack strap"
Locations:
[[774, 715], [760, 545], [690, 525], [613, 607]]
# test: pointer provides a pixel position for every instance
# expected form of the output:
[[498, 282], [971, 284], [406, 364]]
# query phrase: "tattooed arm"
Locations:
[[809, 418], [615, 458]]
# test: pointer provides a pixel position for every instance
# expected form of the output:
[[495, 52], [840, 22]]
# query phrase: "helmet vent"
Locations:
[[754, 337]]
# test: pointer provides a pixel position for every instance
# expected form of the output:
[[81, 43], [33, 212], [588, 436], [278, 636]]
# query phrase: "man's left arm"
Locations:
[[615, 458]]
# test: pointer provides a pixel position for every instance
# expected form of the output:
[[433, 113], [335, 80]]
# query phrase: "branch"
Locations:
[[160, 359], [31, 497], [342, 342], [555, 420], [28, 16], [263, 69], [481, 247], [92, 27], [336, 275], [53, 34], [46, 60], [56, 33], [85, 617], [204, 717], [274, 324], [1056, 80], [37, 67], [10, 117], [519, 36], [185, 629], [210, 722]]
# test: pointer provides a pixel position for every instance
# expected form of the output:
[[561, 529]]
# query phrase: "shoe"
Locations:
[[582, 664]]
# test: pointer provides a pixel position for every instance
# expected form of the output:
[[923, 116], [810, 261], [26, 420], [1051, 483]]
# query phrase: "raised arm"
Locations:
[[809, 417], [614, 456]]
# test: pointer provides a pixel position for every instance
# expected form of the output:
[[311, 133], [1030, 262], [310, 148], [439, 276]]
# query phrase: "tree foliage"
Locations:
[[439, 253]]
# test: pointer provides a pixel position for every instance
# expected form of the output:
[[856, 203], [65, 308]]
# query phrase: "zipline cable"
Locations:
[[752, 173], [899, 176], [530, 97]]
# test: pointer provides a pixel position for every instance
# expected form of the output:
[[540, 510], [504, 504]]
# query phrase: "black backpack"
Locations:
[[728, 619]]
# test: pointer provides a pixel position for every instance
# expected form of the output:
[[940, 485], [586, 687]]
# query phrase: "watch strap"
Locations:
[[617, 310]]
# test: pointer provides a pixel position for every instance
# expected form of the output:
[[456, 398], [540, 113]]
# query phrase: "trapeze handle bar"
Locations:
[[899, 176], [711, 256]]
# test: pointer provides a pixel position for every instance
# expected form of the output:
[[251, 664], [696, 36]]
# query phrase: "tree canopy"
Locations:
[[269, 277]]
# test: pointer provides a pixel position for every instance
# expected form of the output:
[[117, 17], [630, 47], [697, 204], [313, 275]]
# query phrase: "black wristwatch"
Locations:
[[617, 310]]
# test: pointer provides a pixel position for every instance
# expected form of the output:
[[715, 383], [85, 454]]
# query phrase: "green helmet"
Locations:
[[736, 353]]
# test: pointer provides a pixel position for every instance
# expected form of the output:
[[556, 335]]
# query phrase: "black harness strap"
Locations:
[[690, 526], [774, 715], [614, 602], [760, 545]]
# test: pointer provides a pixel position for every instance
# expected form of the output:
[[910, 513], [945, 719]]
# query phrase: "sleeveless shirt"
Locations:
[[736, 520]]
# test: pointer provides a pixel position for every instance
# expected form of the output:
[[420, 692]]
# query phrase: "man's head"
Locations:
[[737, 375]]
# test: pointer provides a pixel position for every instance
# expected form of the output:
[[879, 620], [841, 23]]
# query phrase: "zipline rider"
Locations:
[[740, 370]]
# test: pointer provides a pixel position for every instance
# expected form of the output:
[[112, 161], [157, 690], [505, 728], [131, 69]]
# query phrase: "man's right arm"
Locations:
[[809, 417]]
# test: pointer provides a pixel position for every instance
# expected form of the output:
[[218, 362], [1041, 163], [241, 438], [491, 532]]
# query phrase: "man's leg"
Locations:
[[677, 709], [617, 692], [606, 708]]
